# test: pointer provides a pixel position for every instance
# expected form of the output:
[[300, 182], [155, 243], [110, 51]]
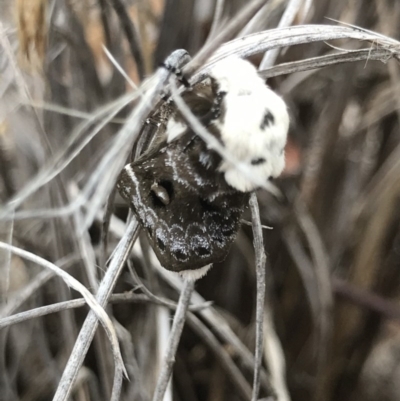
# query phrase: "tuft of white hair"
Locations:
[[246, 102], [194, 275]]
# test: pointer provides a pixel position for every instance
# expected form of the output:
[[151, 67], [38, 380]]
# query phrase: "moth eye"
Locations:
[[268, 120], [162, 193], [256, 162]]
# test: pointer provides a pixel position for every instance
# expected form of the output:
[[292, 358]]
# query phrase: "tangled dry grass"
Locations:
[[70, 114]]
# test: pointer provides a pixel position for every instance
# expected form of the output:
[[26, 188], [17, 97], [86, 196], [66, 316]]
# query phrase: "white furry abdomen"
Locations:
[[243, 133]]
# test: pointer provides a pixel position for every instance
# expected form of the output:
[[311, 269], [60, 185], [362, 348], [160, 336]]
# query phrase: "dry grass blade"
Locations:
[[325, 295], [235, 375], [275, 358], [15, 302], [260, 274], [102, 180], [378, 54], [89, 327], [77, 303], [131, 35], [284, 37], [328, 330], [77, 286], [173, 341], [287, 19], [62, 160], [226, 34], [219, 7], [220, 326]]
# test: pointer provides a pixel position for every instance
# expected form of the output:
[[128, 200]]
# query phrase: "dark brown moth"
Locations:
[[189, 212]]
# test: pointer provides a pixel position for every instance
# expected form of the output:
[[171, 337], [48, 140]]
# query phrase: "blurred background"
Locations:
[[333, 247]]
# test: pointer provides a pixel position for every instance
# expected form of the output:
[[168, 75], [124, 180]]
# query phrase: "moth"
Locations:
[[186, 197]]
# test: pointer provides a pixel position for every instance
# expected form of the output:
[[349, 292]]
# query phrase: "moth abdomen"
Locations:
[[268, 120], [257, 161]]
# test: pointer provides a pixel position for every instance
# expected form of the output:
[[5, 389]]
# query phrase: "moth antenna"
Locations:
[[174, 62], [178, 73], [173, 65]]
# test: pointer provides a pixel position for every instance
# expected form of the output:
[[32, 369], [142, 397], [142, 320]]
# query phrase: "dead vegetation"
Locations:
[[69, 117]]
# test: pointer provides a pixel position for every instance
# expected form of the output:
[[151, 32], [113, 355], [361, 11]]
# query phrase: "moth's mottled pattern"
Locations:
[[185, 196], [194, 223]]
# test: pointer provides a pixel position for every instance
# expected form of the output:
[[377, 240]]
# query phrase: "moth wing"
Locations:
[[199, 223]]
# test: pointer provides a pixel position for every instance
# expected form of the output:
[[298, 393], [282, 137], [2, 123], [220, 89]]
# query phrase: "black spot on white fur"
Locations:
[[256, 162], [268, 120]]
